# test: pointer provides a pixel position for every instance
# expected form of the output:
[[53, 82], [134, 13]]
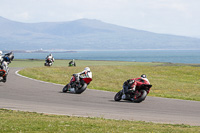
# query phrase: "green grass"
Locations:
[[64, 63], [168, 80], [178, 81], [18, 121]]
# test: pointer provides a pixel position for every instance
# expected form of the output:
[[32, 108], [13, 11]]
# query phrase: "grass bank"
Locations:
[[18, 121], [180, 81]]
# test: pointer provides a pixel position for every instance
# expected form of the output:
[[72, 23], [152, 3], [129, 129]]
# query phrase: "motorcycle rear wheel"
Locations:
[[118, 96], [82, 89], [141, 97]]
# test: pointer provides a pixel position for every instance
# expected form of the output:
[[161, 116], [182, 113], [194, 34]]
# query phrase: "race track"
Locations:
[[24, 94]]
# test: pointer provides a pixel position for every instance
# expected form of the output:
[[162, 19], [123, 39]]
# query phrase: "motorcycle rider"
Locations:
[[1, 66], [6, 59], [133, 83], [86, 73], [50, 56], [4, 66], [72, 63]]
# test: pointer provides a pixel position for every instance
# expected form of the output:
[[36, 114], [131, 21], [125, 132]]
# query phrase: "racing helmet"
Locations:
[[87, 69], [6, 58], [143, 76]]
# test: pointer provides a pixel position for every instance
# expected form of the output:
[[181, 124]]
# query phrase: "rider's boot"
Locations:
[[124, 96]]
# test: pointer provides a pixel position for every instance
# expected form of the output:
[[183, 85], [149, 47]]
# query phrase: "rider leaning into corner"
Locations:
[[50, 56], [133, 84], [5, 60], [72, 63], [86, 73]]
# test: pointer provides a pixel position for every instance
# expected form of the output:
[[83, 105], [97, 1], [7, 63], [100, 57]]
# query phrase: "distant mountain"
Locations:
[[85, 34]]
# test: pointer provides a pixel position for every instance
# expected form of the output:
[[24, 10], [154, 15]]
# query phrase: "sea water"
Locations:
[[173, 56]]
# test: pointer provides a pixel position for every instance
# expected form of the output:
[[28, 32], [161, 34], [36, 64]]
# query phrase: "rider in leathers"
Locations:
[[8, 57], [50, 56], [72, 63], [133, 83], [5, 60], [86, 73]]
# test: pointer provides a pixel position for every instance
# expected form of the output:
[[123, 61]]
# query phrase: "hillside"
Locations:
[[85, 34]]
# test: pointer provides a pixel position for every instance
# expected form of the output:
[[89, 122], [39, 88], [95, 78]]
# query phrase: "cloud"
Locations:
[[23, 15]]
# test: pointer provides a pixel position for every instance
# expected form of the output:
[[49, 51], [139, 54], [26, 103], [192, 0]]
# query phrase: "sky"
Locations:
[[177, 17]]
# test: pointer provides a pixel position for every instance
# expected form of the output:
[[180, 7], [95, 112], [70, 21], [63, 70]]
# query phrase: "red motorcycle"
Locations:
[[137, 96], [2, 75], [77, 87]]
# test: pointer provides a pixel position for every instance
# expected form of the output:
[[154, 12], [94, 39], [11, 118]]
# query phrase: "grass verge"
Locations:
[[179, 81], [18, 121]]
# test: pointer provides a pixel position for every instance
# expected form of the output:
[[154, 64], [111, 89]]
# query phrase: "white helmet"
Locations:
[[1, 53], [143, 76], [87, 69]]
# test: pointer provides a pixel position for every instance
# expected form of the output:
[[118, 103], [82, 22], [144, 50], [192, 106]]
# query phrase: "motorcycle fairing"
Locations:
[[146, 87], [87, 80]]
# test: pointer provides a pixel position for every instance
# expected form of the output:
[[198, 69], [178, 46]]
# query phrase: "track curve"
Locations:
[[20, 93]]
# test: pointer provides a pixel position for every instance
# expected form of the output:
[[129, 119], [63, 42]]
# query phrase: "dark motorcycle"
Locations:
[[72, 63], [48, 62], [137, 96], [77, 87]]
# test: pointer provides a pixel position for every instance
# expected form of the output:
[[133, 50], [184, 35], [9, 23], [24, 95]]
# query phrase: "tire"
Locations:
[[65, 88], [2, 73], [118, 96], [82, 89], [140, 97]]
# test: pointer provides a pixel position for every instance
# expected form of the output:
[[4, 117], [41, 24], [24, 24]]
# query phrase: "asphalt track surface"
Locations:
[[20, 93]]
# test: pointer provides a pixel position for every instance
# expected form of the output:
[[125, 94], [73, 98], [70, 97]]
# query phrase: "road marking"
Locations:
[[17, 73]]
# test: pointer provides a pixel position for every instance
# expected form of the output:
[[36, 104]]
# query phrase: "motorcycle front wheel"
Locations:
[[118, 96], [65, 88]]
